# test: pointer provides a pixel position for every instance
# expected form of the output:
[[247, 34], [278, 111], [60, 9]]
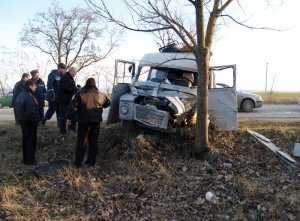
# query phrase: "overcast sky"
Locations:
[[249, 49]]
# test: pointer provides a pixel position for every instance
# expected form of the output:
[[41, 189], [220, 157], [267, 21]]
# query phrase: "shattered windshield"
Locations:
[[168, 76], [152, 74]]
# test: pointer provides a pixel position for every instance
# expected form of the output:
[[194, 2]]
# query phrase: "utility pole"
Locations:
[[267, 69]]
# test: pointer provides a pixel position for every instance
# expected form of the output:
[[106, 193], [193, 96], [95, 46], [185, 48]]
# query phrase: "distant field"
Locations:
[[280, 97]]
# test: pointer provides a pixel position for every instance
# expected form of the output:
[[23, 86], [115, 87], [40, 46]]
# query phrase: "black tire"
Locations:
[[0, 105], [247, 106]]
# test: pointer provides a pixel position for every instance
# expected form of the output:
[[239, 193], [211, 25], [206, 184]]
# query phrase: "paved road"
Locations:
[[273, 113], [276, 113]]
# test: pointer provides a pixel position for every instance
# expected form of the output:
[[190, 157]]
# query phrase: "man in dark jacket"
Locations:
[[52, 87], [88, 105], [27, 113], [66, 90], [18, 88], [40, 93]]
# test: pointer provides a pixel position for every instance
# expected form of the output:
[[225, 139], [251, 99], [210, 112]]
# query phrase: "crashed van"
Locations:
[[160, 93]]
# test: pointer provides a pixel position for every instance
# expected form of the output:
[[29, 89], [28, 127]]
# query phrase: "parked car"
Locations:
[[6, 101], [246, 101]]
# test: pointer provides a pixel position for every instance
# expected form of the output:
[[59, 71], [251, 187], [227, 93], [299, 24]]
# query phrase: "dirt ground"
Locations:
[[144, 175]]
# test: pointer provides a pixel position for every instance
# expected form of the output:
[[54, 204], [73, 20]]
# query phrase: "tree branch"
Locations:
[[248, 26]]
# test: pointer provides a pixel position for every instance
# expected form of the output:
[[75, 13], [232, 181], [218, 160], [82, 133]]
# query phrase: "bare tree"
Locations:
[[12, 64], [72, 37], [167, 18], [165, 37]]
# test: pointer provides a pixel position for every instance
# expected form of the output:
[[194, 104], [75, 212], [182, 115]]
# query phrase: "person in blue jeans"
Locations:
[[52, 89]]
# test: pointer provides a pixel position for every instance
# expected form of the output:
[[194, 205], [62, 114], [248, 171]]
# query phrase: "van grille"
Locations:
[[149, 116]]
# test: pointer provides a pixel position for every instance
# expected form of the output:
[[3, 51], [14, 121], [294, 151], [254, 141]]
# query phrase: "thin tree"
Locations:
[[3, 84], [161, 16], [72, 37], [12, 64]]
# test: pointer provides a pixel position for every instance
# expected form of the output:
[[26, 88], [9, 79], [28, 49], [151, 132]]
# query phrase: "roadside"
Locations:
[[273, 113], [143, 175], [280, 97], [269, 113], [7, 116]]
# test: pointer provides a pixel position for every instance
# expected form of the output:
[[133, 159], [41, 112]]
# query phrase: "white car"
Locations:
[[246, 101]]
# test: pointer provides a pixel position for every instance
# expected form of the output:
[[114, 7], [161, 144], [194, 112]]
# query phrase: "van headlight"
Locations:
[[124, 109]]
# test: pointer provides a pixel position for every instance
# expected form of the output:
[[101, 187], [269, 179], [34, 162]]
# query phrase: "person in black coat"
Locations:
[[18, 88], [88, 105], [40, 93], [66, 90], [27, 113], [52, 89]]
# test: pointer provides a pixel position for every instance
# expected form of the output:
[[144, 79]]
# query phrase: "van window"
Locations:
[[168, 75], [157, 75], [152, 74], [123, 72], [144, 73], [182, 78], [222, 78]]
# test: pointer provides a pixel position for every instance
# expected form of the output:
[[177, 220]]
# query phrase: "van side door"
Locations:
[[222, 97], [124, 72]]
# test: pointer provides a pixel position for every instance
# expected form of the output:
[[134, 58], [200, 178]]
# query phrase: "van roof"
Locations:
[[182, 61]]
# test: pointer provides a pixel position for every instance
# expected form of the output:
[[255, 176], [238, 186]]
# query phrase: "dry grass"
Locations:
[[280, 97], [249, 188], [152, 177]]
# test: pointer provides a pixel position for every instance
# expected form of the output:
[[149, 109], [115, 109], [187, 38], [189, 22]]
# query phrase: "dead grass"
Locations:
[[280, 97], [152, 177], [249, 188]]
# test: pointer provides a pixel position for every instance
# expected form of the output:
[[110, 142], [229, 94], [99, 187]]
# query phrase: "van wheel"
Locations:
[[247, 105], [0, 105]]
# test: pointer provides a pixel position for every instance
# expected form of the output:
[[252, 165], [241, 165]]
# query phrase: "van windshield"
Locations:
[[168, 76]]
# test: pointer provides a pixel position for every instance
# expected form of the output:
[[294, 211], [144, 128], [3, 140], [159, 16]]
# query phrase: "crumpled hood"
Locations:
[[182, 99]]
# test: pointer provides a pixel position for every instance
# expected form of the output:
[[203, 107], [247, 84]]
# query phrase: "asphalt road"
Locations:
[[271, 113]]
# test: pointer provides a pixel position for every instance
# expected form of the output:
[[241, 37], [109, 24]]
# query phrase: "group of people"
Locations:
[[72, 104]]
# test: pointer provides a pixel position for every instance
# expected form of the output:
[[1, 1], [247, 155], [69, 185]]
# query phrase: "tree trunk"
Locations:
[[59, 55], [201, 53], [2, 89]]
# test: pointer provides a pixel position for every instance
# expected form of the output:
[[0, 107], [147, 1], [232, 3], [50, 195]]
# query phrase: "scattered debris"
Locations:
[[211, 197], [200, 201], [144, 179], [227, 164], [50, 169], [296, 152], [268, 143], [184, 168]]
